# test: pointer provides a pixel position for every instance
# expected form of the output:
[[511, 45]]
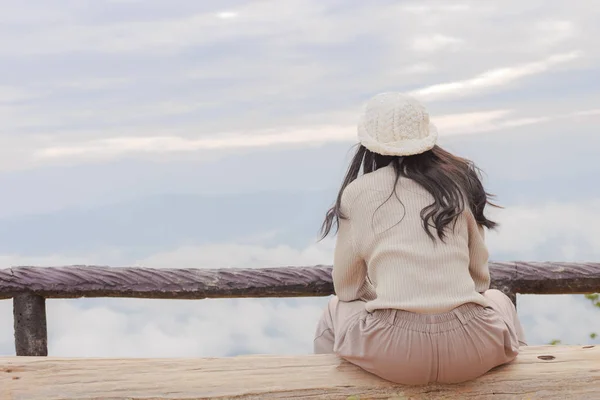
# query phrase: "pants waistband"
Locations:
[[450, 320]]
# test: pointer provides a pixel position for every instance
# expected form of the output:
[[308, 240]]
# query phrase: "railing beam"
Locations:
[[93, 281], [30, 287]]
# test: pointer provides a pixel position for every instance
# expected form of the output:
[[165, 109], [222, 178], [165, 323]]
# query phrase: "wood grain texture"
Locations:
[[545, 372], [94, 281]]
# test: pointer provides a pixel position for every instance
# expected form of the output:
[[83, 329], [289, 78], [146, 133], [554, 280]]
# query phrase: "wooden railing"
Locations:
[[29, 287]]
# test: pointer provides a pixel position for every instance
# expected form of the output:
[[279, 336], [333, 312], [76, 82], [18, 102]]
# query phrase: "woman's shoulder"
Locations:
[[381, 180]]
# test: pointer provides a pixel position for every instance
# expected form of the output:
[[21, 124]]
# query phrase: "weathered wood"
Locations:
[[508, 291], [550, 277], [93, 281], [538, 373], [31, 336]]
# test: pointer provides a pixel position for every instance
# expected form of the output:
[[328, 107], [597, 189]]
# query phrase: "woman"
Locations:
[[410, 271]]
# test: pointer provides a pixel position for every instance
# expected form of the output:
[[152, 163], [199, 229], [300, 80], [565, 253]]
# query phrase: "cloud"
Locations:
[[436, 42], [474, 122], [227, 14], [307, 136], [176, 75], [165, 144], [570, 319], [173, 34], [241, 255], [16, 13], [553, 32], [424, 9], [448, 125], [419, 68], [549, 231], [493, 78], [91, 83], [586, 113], [562, 231], [150, 328], [10, 94], [161, 328]]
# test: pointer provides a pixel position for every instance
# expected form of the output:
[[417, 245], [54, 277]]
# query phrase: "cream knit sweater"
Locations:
[[384, 257]]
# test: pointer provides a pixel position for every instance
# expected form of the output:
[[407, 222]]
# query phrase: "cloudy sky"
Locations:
[[214, 134]]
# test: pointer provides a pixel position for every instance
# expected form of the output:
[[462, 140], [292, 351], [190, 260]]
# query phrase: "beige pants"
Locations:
[[411, 348]]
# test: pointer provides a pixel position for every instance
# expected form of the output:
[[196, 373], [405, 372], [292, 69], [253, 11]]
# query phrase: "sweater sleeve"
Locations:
[[478, 256], [350, 279]]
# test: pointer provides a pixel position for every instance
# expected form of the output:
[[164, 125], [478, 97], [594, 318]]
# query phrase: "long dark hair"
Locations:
[[451, 180]]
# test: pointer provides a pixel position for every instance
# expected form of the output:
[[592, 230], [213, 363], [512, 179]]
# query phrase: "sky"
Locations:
[[215, 134]]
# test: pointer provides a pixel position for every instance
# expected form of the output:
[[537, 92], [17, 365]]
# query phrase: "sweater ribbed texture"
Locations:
[[384, 256]]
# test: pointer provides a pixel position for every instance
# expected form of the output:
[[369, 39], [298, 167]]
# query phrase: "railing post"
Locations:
[[31, 335], [512, 295]]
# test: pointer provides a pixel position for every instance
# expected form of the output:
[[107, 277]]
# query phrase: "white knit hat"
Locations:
[[394, 124]]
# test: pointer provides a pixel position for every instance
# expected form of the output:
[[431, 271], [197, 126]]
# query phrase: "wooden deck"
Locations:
[[546, 372]]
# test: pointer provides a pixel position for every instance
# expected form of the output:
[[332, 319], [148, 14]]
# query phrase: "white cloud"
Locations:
[[497, 77], [170, 35], [436, 42], [557, 226], [304, 67], [92, 83], [465, 123], [570, 319], [147, 328], [424, 9], [239, 255], [10, 94], [110, 256], [307, 136], [163, 144], [419, 68], [175, 328], [448, 125], [19, 13], [227, 14], [586, 113], [550, 33], [162, 328]]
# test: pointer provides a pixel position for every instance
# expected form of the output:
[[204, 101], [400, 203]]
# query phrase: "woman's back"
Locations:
[[409, 270]]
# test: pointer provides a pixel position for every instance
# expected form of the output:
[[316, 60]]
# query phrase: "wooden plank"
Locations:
[[546, 372], [93, 281]]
